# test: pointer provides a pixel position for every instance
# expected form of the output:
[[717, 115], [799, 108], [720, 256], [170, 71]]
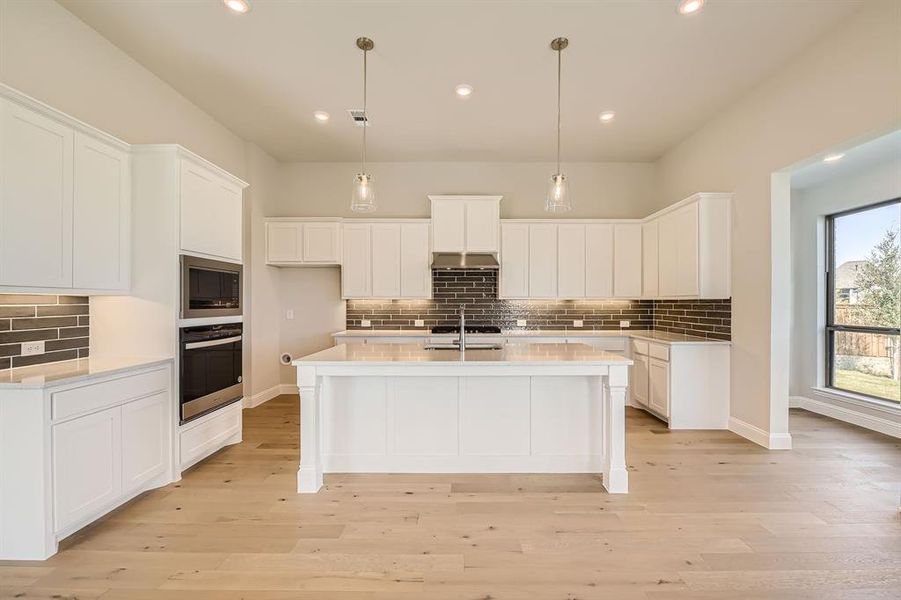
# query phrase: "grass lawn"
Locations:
[[863, 383]]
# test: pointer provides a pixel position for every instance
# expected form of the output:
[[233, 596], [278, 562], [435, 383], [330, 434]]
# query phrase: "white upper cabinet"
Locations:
[[102, 210], [36, 183], [415, 261], [211, 212], [386, 260], [356, 264], [297, 242], [514, 261], [695, 248], [465, 224], [649, 268], [627, 260], [571, 261], [599, 260], [542, 261]]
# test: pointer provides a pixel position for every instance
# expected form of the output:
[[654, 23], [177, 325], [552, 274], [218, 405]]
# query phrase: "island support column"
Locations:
[[309, 475], [616, 477]]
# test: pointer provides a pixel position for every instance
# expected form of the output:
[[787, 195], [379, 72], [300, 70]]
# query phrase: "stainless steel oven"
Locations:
[[210, 288], [210, 373]]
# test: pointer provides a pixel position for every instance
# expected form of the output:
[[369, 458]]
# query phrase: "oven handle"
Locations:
[[208, 343]]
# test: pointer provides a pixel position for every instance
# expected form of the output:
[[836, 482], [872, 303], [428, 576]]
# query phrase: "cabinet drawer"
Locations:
[[639, 347], [658, 351], [95, 396]]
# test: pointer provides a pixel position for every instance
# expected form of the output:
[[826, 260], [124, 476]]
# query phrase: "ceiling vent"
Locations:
[[359, 117]]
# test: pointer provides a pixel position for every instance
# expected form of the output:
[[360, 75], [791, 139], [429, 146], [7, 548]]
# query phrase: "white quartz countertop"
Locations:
[[642, 334], [510, 354], [71, 371]]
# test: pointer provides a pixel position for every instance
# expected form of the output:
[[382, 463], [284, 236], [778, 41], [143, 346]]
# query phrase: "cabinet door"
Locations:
[[667, 258], [356, 269], [649, 288], [640, 379], [87, 466], [321, 242], [36, 159], [627, 261], [658, 386], [599, 261], [102, 216], [145, 440], [415, 263], [542, 261], [571, 261], [386, 260], [211, 213], [284, 242], [448, 226], [482, 219], [687, 250], [514, 275]]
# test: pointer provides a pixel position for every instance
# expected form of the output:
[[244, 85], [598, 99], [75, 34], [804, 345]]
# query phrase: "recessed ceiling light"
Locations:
[[834, 157], [690, 7], [463, 90], [607, 116], [321, 116], [239, 6]]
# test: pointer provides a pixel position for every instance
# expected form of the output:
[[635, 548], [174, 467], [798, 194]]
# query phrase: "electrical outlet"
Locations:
[[32, 348], [624, 324], [520, 322], [419, 323], [577, 322], [289, 314], [365, 323]]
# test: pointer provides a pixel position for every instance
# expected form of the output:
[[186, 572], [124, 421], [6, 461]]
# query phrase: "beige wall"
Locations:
[[599, 189], [845, 87]]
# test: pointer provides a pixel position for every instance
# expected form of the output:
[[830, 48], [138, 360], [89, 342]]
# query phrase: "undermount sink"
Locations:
[[475, 346]]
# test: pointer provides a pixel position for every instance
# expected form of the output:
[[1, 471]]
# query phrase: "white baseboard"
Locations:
[[771, 441], [261, 397], [288, 388], [848, 415]]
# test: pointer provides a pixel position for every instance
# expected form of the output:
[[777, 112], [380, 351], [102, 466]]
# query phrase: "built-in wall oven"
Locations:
[[210, 368], [209, 288]]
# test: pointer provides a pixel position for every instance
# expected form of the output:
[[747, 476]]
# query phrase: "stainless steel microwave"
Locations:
[[210, 288]]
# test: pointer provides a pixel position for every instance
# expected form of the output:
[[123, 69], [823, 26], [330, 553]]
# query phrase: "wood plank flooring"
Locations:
[[710, 516]]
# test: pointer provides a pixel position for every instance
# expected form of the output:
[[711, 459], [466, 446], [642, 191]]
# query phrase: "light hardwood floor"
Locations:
[[709, 516]]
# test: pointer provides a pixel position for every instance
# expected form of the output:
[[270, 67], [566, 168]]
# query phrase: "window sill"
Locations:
[[885, 406]]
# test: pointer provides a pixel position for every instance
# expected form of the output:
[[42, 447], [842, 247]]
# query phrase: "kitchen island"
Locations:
[[403, 408]]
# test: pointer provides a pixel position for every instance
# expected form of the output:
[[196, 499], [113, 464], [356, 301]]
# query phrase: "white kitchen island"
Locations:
[[402, 408]]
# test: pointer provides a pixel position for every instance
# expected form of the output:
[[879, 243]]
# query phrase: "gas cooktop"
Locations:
[[469, 329]]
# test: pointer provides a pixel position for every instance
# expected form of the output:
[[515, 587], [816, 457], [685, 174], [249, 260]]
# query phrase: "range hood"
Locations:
[[455, 261]]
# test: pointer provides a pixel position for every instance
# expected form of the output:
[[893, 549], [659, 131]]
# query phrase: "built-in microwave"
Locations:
[[209, 288]]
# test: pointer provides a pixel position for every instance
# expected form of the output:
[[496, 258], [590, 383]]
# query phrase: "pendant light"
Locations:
[[364, 194], [558, 196]]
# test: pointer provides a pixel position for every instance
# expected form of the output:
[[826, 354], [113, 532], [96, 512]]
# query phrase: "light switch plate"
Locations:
[[520, 322], [289, 314], [419, 323], [365, 323], [577, 322], [32, 348], [623, 324]]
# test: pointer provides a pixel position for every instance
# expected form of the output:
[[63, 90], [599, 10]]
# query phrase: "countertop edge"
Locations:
[[62, 379]]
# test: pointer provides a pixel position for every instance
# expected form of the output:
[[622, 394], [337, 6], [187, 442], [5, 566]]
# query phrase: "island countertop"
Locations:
[[509, 354]]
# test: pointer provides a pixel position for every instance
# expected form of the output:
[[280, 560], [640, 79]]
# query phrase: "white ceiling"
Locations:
[[858, 159], [264, 73]]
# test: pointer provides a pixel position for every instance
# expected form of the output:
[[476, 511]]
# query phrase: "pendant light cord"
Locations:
[[559, 68], [365, 117]]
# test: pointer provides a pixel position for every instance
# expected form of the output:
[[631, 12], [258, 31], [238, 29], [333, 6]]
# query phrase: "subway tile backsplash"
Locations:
[[477, 291], [62, 322]]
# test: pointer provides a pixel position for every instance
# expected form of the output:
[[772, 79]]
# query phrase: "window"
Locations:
[[863, 301]]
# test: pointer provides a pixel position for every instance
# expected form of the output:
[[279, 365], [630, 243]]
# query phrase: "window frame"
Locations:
[[831, 328]]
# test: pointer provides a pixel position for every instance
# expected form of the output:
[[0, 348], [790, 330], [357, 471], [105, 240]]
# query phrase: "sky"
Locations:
[[856, 234]]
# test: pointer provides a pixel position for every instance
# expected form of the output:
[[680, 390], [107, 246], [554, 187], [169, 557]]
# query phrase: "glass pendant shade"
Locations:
[[558, 196], [364, 194]]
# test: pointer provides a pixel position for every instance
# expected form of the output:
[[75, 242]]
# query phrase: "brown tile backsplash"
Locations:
[[61, 321], [477, 292]]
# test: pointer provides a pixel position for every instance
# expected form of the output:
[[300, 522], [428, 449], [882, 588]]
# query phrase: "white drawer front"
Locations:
[[94, 396], [199, 440], [658, 351], [639, 347]]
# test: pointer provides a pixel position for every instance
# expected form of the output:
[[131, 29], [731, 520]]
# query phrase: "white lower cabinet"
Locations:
[[87, 466], [640, 380], [145, 449], [658, 386]]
